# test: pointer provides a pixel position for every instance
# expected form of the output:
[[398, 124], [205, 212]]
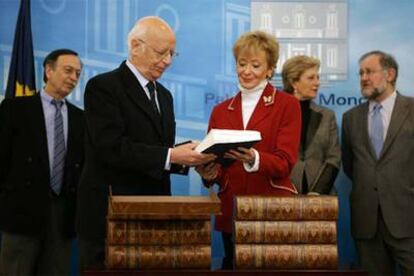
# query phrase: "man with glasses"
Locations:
[[130, 134], [41, 159], [378, 157]]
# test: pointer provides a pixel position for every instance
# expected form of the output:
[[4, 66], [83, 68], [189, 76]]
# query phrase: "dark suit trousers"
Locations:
[[382, 254], [91, 254], [228, 259], [38, 255]]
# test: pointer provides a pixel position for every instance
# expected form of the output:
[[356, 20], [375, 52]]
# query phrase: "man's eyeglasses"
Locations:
[[161, 55], [369, 72], [69, 70]]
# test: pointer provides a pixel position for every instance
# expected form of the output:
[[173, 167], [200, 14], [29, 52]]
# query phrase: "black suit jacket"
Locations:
[[24, 166], [126, 145]]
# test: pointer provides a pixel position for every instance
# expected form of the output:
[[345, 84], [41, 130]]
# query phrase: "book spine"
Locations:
[[120, 216], [158, 257], [163, 206], [285, 232], [286, 208], [286, 256], [165, 232]]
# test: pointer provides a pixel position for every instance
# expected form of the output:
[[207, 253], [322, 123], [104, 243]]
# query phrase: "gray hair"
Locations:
[[135, 32], [386, 60]]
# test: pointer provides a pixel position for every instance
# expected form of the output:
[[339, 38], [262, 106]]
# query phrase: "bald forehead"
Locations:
[[150, 26]]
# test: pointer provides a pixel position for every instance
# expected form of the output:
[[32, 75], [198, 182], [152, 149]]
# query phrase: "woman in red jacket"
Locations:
[[265, 168]]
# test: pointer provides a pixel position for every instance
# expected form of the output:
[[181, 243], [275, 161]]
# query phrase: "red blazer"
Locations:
[[277, 116]]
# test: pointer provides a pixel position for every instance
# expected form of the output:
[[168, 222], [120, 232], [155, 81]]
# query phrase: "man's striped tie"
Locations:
[[56, 179]]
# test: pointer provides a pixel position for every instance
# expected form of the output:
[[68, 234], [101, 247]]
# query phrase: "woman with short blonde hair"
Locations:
[[265, 168], [319, 153], [259, 41], [294, 68]]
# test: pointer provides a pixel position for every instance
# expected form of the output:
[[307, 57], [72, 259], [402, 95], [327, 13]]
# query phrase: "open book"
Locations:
[[219, 141]]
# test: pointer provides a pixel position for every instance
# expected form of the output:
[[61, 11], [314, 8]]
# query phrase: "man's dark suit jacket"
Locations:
[[126, 146], [24, 167], [387, 182]]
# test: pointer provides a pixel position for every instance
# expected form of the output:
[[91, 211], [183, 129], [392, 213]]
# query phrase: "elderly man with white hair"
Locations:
[[130, 133]]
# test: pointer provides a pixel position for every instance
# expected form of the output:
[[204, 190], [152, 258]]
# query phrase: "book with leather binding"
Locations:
[[158, 232], [285, 232], [288, 208], [286, 256], [158, 257], [163, 207]]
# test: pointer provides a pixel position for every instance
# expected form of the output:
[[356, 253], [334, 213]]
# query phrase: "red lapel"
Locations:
[[263, 107], [234, 112]]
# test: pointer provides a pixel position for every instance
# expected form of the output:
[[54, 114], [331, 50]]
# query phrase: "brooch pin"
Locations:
[[267, 99]]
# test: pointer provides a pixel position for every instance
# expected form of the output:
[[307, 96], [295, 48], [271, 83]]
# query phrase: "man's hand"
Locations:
[[208, 171], [186, 155]]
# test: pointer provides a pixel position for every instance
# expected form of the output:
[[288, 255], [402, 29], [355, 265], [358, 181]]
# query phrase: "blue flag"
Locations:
[[21, 80]]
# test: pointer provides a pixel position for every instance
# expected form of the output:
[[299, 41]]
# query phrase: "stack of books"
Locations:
[[160, 232], [297, 232]]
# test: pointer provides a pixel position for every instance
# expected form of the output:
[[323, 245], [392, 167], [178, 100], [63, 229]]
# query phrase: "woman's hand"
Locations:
[[242, 154], [208, 171]]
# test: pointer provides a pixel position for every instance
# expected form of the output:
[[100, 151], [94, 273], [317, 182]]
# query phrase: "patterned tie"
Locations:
[[151, 89], [56, 179], [377, 129]]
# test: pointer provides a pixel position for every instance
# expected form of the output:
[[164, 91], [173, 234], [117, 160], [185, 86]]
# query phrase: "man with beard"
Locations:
[[378, 157]]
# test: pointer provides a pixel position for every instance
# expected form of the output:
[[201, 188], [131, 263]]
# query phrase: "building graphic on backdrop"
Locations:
[[317, 29], [236, 21], [106, 24], [302, 27], [110, 21]]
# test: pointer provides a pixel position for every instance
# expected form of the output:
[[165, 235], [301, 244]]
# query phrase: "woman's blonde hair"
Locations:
[[258, 40], [293, 69]]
